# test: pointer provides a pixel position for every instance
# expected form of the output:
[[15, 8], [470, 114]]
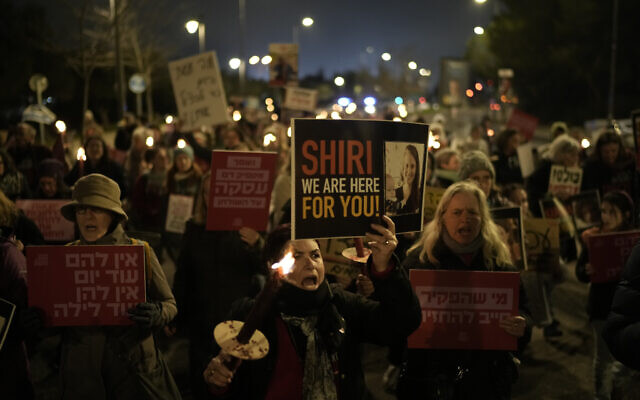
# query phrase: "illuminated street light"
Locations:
[[168, 119], [478, 30], [344, 101], [234, 63], [425, 72], [266, 60], [192, 26], [307, 21], [386, 56], [254, 60], [480, 1], [339, 81], [412, 65], [370, 101]]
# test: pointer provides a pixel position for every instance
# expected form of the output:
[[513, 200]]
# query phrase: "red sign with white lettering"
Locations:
[[86, 285], [240, 190], [46, 215], [608, 253], [462, 309]]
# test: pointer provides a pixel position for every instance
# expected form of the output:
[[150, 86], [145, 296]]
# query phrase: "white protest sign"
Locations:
[[179, 211], [300, 99], [525, 157], [565, 180], [198, 89]]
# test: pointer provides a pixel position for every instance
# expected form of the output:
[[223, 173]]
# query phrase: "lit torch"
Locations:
[[244, 340]]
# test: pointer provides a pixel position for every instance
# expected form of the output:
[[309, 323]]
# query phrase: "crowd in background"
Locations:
[[148, 163]]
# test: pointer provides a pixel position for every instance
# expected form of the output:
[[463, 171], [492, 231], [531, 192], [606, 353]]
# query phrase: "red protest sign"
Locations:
[[523, 122], [462, 309], [240, 190], [46, 215], [86, 285], [608, 253]]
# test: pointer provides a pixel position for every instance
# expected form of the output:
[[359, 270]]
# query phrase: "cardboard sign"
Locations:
[[46, 215], [509, 221], [300, 99], [462, 309], [179, 210], [334, 262], [86, 285], [523, 123], [283, 69], [240, 190], [198, 89], [347, 173], [542, 236], [608, 253], [7, 309], [565, 180], [432, 196], [553, 208]]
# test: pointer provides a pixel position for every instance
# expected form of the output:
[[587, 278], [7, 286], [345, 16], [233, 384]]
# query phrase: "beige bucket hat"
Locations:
[[94, 190]]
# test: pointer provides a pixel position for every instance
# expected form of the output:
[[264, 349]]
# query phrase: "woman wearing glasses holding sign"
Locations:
[[114, 362], [461, 237]]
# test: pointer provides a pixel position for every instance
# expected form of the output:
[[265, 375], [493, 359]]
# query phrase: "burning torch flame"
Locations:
[[285, 265], [80, 155]]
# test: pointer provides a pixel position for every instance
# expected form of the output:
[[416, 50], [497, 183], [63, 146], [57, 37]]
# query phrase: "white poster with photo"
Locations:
[[283, 69], [179, 211], [403, 181], [300, 99], [198, 90]]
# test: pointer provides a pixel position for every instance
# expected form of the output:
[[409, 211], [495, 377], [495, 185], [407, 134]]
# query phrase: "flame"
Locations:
[[80, 155], [285, 264]]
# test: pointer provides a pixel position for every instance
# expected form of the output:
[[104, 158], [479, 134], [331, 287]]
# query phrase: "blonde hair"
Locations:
[[200, 211], [8, 211], [494, 251]]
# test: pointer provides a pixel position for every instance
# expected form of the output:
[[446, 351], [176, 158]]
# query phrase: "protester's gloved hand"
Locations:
[[148, 315], [31, 320]]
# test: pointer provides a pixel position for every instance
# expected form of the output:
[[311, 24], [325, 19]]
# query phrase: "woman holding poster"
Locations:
[[462, 237], [617, 216], [314, 329], [115, 362]]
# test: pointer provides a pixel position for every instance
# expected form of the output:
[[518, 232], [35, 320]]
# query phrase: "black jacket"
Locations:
[[622, 329], [489, 373], [394, 317], [600, 294], [538, 185]]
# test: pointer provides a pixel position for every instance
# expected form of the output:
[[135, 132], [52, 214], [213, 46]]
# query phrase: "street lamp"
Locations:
[[425, 72], [266, 60], [254, 60], [385, 56], [478, 30], [306, 22], [234, 63], [192, 26], [339, 81], [412, 65]]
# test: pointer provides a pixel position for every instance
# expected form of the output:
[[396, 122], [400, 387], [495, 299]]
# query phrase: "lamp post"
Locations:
[[306, 22], [192, 26]]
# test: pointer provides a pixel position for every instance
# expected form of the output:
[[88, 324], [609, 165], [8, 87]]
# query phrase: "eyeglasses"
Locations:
[[82, 210]]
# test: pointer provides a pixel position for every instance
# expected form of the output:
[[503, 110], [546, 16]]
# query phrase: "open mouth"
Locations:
[[465, 231], [310, 281], [90, 228]]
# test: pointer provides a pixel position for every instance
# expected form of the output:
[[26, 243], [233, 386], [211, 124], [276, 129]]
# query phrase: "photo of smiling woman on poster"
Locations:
[[403, 177]]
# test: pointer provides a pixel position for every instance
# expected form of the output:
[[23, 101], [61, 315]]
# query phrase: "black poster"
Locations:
[[347, 173]]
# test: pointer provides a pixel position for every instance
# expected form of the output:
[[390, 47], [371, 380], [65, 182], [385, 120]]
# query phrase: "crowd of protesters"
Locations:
[[121, 192]]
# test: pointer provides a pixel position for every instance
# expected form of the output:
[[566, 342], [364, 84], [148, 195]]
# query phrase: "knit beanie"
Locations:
[[473, 161], [186, 150]]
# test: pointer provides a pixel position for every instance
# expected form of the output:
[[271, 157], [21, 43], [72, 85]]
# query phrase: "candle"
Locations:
[[359, 246]]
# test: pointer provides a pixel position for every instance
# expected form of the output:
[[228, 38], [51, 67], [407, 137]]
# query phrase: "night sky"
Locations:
[[419, 30]]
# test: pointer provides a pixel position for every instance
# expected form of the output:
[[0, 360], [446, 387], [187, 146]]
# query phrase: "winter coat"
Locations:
[[109, 362], [598, 175], [384, 322], [14, 366], [458, 374], [538, 185], [600, 294], [622, 329], [507, 169]]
